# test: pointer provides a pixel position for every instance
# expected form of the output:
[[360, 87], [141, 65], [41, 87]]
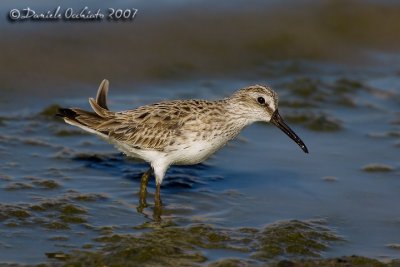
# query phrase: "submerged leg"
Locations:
[[157, 211], [157, 196], [143, 188]]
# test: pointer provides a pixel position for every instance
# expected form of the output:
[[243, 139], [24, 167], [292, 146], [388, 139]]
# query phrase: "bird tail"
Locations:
[[87, 120]]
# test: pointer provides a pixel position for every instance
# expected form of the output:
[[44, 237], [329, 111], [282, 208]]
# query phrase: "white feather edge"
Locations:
[[87, 129]]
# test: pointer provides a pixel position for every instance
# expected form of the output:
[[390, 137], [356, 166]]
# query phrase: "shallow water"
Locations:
[[63, 189], [67, 197]]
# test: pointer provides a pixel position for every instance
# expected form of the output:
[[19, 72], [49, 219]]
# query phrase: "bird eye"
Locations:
[[261, 100]]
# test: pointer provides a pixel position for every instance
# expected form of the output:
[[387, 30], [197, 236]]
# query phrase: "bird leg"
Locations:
[[143, 188], [157, 197]]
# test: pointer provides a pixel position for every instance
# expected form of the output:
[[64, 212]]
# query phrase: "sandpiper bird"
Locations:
[[179, 132]]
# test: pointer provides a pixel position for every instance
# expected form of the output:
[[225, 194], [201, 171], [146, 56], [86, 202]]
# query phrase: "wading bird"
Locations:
[[178, 132]]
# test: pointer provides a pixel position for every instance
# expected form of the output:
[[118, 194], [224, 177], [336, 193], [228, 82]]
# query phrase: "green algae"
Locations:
[[56, 225], [50, 111], [375, 167], [64, 133], [346, 86], [204, 236], [88, 197], [298, 118], [59, 205], [345, 101], [183, 246], [106, 230], [324, 124], [132, 251], [11, 224], [303, 86], [36, 142], [2, 121], [169, 246], [72, 219], [67, 213], [13, 212], [53, 214], [18, 186], [67, 133], [233, 263], [113, 238], [207, 237], [70, 209], [35, 182], [59, 238], [38, 207], [310, 93], [318, 123], [19, 214], [335, 262], [294, 239], [87, 246], [46, 184]]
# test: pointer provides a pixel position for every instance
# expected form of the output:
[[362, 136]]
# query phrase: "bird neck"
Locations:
[[236, 113]]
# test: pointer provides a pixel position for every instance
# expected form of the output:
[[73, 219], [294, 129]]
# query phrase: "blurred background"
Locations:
[[180, 40], [336, 67]]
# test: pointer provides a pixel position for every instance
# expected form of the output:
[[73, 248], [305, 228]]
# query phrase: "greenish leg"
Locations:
[[143, 188], [157, 197], [157, 211]]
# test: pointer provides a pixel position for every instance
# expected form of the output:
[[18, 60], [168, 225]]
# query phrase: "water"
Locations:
[[68, 197], [259, 179]]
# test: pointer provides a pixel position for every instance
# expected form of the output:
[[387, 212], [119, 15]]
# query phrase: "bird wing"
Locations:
[[149, 127]]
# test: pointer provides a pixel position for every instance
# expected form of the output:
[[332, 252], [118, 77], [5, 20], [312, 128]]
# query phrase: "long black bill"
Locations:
[[280, 123]]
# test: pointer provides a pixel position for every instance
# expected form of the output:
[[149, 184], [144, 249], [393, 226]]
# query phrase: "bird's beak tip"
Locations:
[[280, 123]]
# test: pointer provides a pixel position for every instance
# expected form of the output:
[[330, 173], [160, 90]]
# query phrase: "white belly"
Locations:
[[184, 154], [195, 152]]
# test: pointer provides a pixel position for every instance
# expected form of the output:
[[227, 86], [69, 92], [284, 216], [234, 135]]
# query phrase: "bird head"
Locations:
[[260, 103]]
